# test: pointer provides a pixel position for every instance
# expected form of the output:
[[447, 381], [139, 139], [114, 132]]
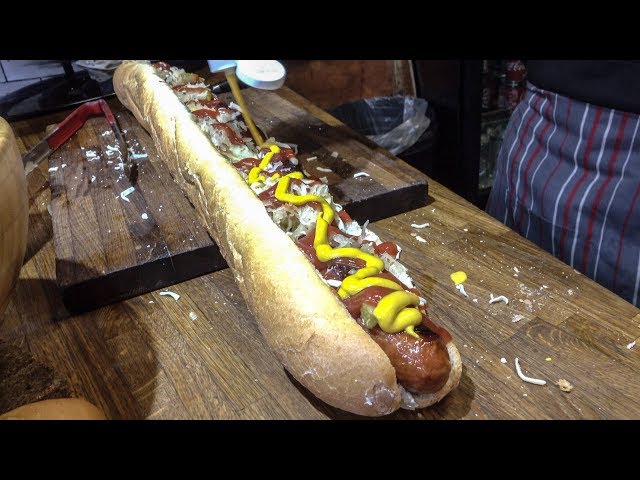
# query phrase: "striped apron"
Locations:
[[568, 179]]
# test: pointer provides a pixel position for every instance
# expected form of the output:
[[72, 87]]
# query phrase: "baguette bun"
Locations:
[[57, 409], [14, 213], [304, 323]]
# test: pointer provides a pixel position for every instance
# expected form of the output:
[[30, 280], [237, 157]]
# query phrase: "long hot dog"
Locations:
[[330, 297]]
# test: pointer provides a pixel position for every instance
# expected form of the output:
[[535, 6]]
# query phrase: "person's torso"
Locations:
[[609, 83]]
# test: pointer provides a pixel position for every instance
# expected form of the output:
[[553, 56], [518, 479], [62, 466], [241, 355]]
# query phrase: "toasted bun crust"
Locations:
[[14, 212], [304, 323], [58, 409]]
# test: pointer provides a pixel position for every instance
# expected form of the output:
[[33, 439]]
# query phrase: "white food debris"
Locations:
[[570, 291], [524, 378], [503, 360], [631, 345], [460, 288], [420, 239], [422, 225], [501, 298], [361, 174], [335, 283], [64, 165], [91, 154], [93, 179], [136, 156], [324, 179], [334, 154], [235, 106], [174, 295], [465, 229], [516, 318], [111, 148], [193, 315], [322, 169], [564, 385], [475, 300], [516, 269], [53, 169], [151, 301], [144, 216], [422, 301], [310, 159], [125, 193]]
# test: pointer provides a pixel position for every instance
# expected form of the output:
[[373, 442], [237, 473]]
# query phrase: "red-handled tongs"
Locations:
[[70, 125]]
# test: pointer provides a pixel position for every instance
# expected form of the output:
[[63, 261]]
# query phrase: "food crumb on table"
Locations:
[[564, 385]]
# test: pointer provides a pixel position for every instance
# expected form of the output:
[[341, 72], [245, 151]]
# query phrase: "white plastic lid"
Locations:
[[262, 74], [219, 65]]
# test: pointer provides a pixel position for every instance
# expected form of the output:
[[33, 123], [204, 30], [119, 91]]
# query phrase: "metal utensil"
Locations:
[[70, 125]]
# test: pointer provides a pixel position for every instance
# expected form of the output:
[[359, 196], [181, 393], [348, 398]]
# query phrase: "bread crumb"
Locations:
[[564, 385], [503, 360], [631, 345], [334, 154], [516, 318], [193, 316]]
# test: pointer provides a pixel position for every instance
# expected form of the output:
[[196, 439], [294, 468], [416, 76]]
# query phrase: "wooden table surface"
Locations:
[[151, 357]]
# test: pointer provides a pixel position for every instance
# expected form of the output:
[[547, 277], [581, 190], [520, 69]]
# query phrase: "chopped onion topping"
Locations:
[[173, 295], [361, 174], [397, 269], [501, 298], [460, 288], [125, 193], [524, 378]]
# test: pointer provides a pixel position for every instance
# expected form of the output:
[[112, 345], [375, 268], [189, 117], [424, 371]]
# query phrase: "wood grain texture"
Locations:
[[107, 248], [137, 359]]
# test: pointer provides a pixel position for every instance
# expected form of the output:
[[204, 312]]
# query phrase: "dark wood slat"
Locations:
[[105, 250]]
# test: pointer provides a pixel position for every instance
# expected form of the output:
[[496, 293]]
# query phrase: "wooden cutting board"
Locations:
[[109, 248]]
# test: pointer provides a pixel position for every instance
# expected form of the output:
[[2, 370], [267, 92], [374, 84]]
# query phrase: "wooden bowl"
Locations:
[[14, 213]]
